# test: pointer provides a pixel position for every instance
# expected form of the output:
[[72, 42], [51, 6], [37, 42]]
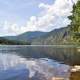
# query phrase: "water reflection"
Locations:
[[37, 62], [14, 67], [65, 54]]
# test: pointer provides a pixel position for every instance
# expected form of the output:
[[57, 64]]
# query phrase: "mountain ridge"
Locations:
[[27, 36], [57, 36]]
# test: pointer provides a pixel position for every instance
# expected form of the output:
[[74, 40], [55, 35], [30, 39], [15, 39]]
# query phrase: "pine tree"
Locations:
[[75, 23]]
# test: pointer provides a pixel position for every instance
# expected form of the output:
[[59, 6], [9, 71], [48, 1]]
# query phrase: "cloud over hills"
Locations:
[[51, 16]]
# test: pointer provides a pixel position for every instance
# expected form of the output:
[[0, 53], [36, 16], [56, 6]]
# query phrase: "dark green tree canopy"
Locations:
[[75, 22]]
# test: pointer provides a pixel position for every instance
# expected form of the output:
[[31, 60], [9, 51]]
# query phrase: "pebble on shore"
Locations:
[[75, 73], [75, 68]]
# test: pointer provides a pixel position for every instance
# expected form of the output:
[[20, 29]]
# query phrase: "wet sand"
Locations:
[[75, 75]]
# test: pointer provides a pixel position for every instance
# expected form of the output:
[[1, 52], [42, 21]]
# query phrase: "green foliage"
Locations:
[[4, 41], [75, 24], [57, 36]]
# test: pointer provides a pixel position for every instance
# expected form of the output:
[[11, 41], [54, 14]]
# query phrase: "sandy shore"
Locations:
[[75, 75]]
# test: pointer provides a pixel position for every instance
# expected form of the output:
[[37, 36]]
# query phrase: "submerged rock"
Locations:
[[75, 68], [39, 76]]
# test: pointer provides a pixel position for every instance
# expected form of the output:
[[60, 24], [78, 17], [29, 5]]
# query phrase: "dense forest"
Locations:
[[55, 37], [4, 41], [75, 24]]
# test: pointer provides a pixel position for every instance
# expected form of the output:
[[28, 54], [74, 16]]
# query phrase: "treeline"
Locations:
[[55, 37], [4, 41], [75, 24]]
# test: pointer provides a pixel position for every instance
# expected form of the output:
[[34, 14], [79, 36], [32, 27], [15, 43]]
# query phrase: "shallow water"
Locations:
[[34, 63], [13, 65]]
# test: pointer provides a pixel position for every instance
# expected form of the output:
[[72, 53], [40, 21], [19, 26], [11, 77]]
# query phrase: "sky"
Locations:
[[19, 16]]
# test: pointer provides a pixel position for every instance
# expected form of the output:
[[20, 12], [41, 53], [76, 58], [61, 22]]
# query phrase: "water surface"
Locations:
[[36, 62]]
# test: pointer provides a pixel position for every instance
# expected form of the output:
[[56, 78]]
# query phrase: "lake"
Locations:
[[37, 62]]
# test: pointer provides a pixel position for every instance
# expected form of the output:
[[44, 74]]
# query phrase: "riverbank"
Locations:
[[75, 75]]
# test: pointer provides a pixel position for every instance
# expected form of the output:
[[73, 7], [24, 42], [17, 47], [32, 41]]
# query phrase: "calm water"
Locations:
[[37, 62]]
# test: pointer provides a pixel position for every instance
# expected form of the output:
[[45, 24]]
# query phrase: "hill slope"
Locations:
[[57, 36], [27, 36], [4, 41]]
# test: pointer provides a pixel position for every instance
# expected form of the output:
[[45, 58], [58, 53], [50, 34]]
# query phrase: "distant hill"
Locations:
[[57, 36], [4, 41], [27, 36]]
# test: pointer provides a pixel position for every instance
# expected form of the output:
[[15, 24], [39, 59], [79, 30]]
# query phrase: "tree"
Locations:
[[75, 24]]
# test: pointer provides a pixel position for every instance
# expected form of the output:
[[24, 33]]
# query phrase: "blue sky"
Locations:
[[19, 16]]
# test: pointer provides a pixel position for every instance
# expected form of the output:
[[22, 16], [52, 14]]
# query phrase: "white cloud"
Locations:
[[7, 29], [42, 5], [53, 16]]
